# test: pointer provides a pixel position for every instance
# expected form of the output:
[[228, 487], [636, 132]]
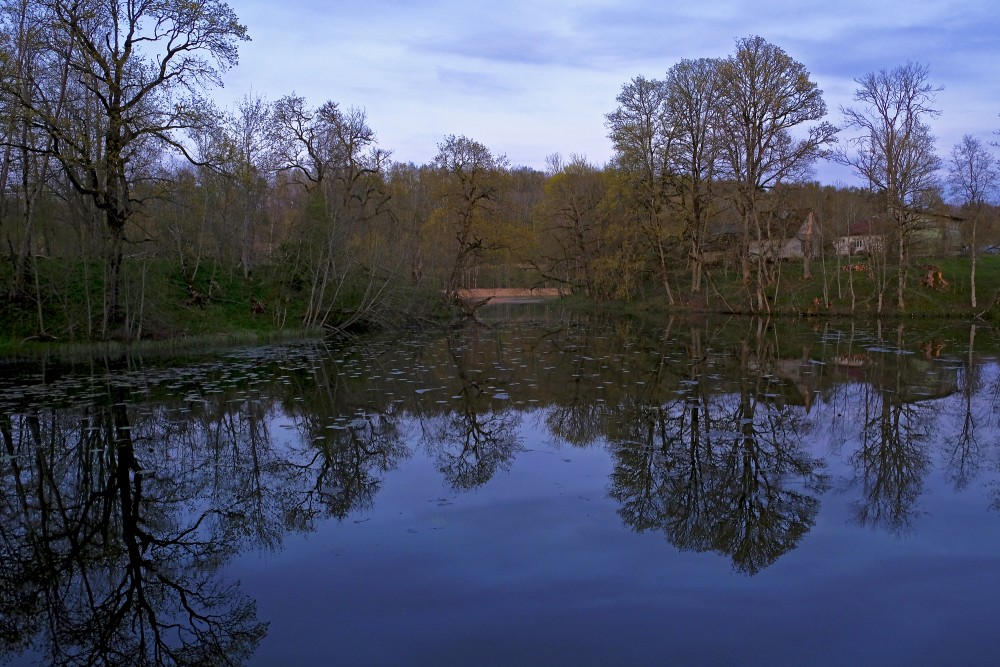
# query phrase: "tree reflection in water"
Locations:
[[345, 460], [104, 563], [472, 440], [891, 461], [965, 452], [117, 518], [719, 471]]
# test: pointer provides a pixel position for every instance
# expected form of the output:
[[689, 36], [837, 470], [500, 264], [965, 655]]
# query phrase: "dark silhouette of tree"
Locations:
[[475, 439], [100, 548], [713, 470]]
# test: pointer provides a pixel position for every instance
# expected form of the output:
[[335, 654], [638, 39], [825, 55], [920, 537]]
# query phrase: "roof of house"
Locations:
[[863, 228]]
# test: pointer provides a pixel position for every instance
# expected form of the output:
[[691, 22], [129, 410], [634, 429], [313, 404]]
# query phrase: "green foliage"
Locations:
[[160, 302]]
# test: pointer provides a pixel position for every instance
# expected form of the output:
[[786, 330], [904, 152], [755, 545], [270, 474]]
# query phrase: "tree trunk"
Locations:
[[664, 274], [112, 281], [901, 273], [972, 271], [807, 248]]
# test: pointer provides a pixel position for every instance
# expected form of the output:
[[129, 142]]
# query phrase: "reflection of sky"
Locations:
[[535, 567]]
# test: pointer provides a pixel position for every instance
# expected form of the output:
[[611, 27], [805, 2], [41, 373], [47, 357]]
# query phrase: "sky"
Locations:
[[529, 78]]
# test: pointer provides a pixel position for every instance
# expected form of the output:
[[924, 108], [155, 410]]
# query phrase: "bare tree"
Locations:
[[766, 94], [252, 162], [972, 179], [472, 181], [894, 150], [334, 154], [643, 136], [137, 68], [693, 90]]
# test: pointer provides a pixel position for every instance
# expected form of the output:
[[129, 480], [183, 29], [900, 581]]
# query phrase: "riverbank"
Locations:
[[839, 288], [163, 309]]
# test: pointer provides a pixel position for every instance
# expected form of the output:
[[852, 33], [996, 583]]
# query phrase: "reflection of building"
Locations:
[[798, 384]]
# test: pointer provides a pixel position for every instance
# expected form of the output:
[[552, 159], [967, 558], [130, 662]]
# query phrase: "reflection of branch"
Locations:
[[965, 458], [470, 444], [890, 463], [470, 448], [344, 478], [116, 578], [713, 478]]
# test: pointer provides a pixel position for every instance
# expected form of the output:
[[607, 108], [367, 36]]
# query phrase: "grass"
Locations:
[[68, 352], [156, 303], [160, 305], [829, 292]]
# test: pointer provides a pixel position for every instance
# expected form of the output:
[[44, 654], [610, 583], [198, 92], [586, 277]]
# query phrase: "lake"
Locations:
[[537, 488]]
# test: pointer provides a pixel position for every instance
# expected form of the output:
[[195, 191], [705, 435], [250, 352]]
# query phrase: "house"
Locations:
[[936, 235], [863, 238], [793, 235], [927, 234]]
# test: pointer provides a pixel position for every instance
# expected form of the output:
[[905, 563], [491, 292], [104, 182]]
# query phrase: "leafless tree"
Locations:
[[643, 136], [766, 94], [470, 187], [893, 148], [693, 90], [972, 179], [334, 154]]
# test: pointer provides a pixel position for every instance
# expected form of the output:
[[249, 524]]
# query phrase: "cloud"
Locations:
[[529, 78]]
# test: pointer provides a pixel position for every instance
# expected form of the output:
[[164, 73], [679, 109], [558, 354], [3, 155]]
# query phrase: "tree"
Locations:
[[252, 161], [137, 69], [643, 137], [334, 154], [472, 180], [571, 219], [693, 107], [894, 149], [766, 94], [26, 151], [411, 200], [972, 179]]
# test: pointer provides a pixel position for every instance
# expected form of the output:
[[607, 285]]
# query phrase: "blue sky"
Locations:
[[534, 77]]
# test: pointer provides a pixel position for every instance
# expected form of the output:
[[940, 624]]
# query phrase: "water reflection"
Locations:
[[104, 560], [718, 468], [477, 435], [128, 487]]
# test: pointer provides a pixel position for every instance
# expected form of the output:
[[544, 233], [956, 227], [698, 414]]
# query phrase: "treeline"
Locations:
[[130, 201]]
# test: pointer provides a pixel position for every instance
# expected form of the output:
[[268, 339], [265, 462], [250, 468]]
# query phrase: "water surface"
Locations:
[[535, 489]]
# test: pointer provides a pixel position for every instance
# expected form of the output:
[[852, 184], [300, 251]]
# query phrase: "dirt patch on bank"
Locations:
[[509, 294]]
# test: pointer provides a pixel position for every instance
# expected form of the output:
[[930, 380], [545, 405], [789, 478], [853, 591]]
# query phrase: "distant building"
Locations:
[[792, 235], [927, 234], [863, 238]]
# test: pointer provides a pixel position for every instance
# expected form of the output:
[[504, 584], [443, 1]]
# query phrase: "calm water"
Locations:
[[538, 490]]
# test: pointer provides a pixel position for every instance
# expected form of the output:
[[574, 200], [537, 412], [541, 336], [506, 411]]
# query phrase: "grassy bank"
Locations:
[[841, 288], [62, 305]]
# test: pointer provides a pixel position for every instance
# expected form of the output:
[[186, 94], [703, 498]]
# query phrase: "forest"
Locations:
[[134, 207]]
